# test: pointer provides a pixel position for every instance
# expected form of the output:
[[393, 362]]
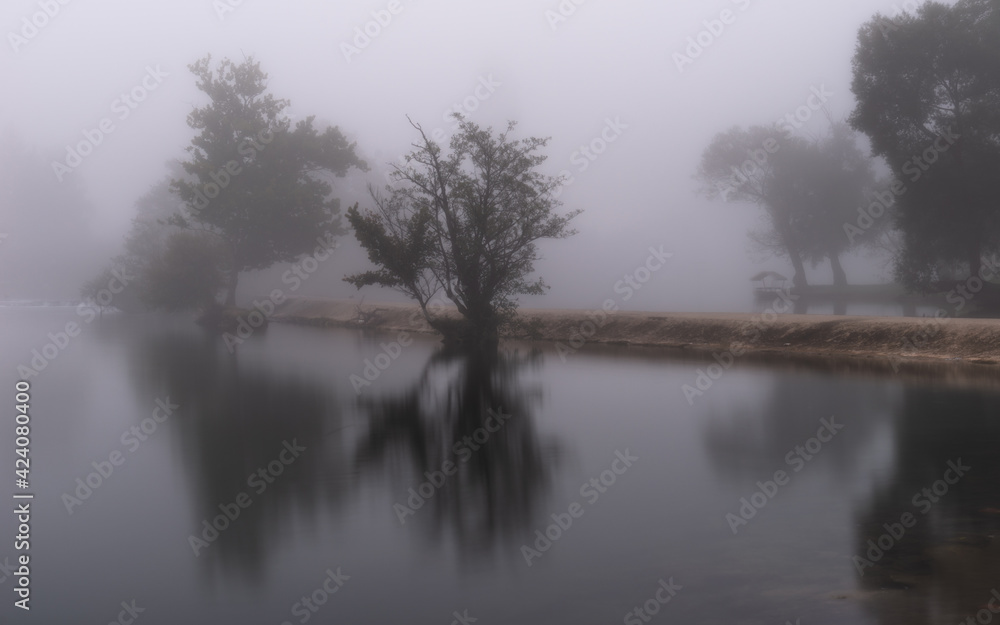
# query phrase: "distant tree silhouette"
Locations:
[[808, 189], [256, 184]]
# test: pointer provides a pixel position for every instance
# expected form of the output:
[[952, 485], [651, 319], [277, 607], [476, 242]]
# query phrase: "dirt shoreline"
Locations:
[[891, 339]]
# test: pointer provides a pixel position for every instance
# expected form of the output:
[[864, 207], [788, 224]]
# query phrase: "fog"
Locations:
[[569, 454], [603, 69]]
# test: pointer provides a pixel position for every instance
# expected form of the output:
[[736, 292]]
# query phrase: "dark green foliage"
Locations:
[[254, 179], [188, 275], [145, 243], [917, 79]]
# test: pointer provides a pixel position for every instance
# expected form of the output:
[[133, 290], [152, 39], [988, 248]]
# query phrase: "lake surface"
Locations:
[[673, 524]]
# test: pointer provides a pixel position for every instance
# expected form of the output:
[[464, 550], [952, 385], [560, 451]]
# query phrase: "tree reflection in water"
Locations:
[[945, 567], [232, 421], [492, 497]]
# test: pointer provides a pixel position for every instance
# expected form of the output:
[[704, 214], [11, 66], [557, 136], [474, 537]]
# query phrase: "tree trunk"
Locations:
[[799, 279], [231, 289], [233, 275], [467, 331], [788, 240], [839, 277], [975, 261]]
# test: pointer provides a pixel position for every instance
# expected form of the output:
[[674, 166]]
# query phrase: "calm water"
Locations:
[[336, 503]]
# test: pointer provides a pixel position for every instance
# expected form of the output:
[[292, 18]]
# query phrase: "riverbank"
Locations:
[[892, 339]]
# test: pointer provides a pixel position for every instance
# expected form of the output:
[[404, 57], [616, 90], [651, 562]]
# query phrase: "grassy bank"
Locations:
[[887, 338]]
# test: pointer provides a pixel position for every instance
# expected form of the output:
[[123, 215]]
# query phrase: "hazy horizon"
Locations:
[[567, 79]]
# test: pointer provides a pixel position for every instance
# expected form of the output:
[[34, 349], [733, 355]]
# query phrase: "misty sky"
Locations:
[[608, 61]]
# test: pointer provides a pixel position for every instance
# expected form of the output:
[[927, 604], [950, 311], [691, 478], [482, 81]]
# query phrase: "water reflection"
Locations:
[[948, 563], [334, 505], [446, 416], [235, 413], [233, 420], [942, 562], [880, 300], [756, 437]]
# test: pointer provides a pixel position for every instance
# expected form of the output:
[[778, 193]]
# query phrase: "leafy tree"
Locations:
[[835, 179], [808, 189], [188, 275], [97, 290], [928, 95], [258, 183], [465, 224], [145, 243], [147, 238], [750, 165]]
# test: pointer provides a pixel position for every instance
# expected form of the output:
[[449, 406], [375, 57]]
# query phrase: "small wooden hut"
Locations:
[[769, 282]]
